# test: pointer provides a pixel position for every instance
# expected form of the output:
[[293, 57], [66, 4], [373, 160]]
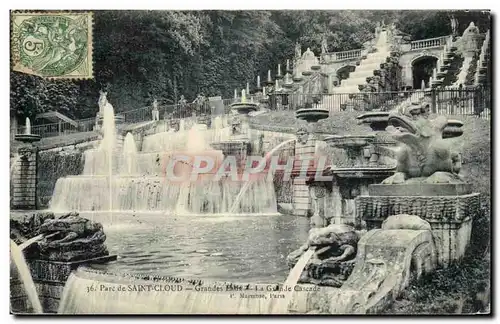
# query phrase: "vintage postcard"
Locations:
[[250, 162]]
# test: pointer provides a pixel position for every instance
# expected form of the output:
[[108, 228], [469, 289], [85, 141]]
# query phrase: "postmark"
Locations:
[[52, 44]]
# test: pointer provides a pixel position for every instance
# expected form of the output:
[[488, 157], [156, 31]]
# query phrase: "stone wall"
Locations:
[[23, 184], [57, 163]]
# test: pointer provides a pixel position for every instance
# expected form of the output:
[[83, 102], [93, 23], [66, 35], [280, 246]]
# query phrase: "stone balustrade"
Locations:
[[347, 55], [429, 43]]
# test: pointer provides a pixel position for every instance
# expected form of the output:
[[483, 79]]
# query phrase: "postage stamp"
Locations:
[[52, 44]]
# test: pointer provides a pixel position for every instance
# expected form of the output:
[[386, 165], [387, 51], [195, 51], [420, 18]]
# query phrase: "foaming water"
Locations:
[[129, 155], [281, 307], [75, 299], [249, 183], [160, 194], [27, 130], [17, 258], [137, 181]]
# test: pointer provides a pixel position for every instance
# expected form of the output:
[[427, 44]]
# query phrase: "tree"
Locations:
[[31, 95]]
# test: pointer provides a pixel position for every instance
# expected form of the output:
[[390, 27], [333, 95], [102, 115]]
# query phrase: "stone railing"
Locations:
[[428, 43], [340, 56], [346, 55]]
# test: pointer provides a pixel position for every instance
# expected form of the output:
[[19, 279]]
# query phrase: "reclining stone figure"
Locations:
[[335, 249]]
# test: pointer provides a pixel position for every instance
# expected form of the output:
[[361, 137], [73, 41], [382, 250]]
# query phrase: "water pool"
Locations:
[[233, 248]]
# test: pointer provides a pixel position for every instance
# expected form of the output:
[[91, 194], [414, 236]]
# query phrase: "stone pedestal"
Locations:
[[24, 179], [449, 209], [237, 148], [304, 153], [49, 278]]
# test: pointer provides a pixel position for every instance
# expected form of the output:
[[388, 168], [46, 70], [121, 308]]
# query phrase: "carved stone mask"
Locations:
[[25, 154], [302, 136]]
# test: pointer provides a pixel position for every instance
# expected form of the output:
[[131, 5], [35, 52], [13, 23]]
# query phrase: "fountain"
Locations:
[[269, 80], [129, 155], [248, 183], [134, 181], [16, 254], [23, 170], [27, 137], [243, 107]]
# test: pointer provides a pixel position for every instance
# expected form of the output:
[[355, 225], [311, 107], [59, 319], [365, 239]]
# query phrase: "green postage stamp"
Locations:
[[52, 44]]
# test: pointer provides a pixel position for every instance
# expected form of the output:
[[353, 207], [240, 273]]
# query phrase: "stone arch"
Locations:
[[421, 67]]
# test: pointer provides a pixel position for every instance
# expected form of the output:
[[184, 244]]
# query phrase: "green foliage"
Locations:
[[139, 55], [31, 95]]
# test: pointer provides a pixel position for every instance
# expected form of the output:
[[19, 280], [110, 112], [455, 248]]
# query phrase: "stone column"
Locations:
[[24, 179], [304, 153], [318, 193]]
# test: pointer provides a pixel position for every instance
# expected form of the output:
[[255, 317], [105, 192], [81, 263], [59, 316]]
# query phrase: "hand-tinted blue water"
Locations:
[[239, 249]]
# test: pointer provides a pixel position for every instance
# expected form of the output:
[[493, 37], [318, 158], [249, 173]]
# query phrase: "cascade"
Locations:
[[16, 254], [142, 180]]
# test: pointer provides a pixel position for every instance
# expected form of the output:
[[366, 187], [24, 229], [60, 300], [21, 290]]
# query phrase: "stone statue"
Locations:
[[424, 155], [103, 100], [298, 51], [335, 249], [236, 126], [470, 39], [71, 237], [317, 192], [67, 238], [324, 46]]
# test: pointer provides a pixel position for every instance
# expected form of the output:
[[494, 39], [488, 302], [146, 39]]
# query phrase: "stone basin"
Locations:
[[312, 114], [349, 141], [381, 172], [379, 121], [453, 129], [243, 108], [27, 138]]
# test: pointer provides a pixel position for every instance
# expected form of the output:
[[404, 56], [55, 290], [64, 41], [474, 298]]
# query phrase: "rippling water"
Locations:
[[240, 248]]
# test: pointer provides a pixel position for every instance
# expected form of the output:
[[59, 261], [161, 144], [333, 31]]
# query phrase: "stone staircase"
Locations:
[[365, 78], [366, 67]]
